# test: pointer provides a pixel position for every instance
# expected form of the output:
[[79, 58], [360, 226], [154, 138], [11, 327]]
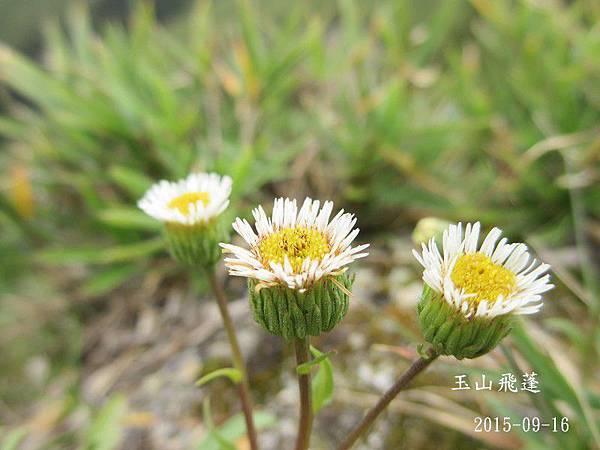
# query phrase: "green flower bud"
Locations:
[[293, 314], [450, 332], [427, 228]]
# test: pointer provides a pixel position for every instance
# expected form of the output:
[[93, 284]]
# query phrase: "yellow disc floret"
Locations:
[[183, 202], [477, 274], [296, 243]]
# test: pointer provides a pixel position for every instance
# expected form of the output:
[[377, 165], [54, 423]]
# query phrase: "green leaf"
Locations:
[[101, 255], [304, 368], [233, 429], [106, 429], [233, 374], [322, 385], [552, 378], [242, 168], [556, 385], [109, 279], [222, 443], [570, 329], [128, 218], [133, 182], [215, 441], [12, 128], [13, 438]]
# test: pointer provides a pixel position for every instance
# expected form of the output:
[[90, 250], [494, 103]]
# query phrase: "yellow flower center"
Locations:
[[477, 274], [296, 243], [183, 202]]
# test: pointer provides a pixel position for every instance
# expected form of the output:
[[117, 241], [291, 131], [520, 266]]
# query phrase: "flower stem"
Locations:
[[236, 354], [306, 415], [362, 427]]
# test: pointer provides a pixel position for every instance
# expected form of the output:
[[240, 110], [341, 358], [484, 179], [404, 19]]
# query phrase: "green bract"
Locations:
[[292, 314], [196, 245], [451, 333]]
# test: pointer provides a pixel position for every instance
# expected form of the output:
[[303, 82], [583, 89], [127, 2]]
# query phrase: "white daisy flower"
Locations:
[[194, 200], [494, 279], [294, 248]]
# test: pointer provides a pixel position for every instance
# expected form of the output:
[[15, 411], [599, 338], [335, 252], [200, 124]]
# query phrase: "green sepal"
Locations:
[[449, 332], [196, 245], [294, 315]]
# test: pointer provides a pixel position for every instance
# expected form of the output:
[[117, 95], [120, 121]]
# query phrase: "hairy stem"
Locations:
[[306, 415], [363, 426], [238, 359]]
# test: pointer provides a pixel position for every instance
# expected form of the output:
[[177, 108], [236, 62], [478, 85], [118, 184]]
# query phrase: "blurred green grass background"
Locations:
[[465, 110]]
